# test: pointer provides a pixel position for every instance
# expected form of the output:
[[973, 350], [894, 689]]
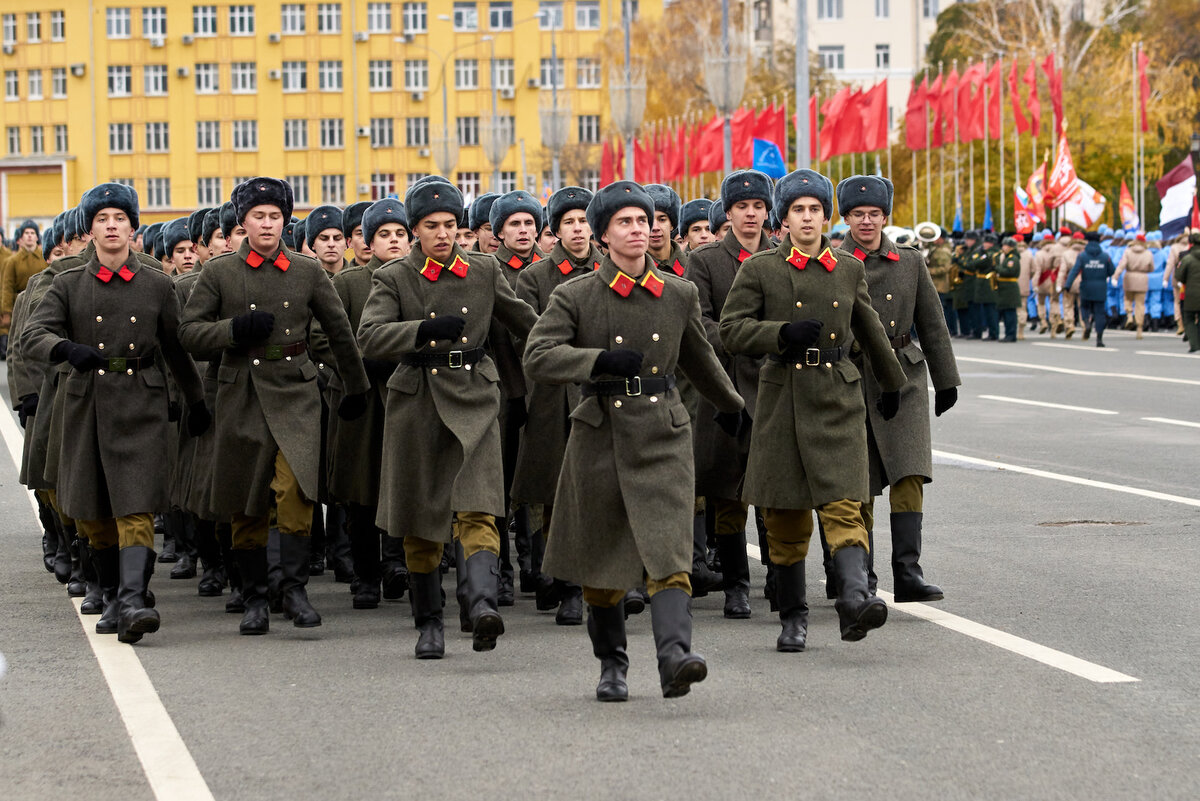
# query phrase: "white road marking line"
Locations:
[[1025, 402], [1086, 482], [1169, 421], [1001, 639], [166, 761], [1172, 355], [1072, 371], [1091, 348]]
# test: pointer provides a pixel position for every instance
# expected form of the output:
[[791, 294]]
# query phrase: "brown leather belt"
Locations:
[[902, 341], [274, 353]]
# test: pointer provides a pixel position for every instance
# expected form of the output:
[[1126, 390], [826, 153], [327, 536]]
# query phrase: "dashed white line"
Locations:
[[1171, 422], [1072, 371], [1045, 404], [1172, 355], [1091, 348]]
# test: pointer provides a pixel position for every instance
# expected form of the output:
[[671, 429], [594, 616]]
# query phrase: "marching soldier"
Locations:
[[1069, 290], [718, 222], [693, 222], [941, 266], [983, 265], [360, 251], [964, 291], [15, 272], [1023, 284], [665, 251], [546, 240], [624, 498], [480, 222], [324, 236], [1135, 267], [1008, 291], [1046, 266]]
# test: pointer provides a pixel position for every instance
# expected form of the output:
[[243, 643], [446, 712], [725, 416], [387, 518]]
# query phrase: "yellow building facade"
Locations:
[[346, 100]]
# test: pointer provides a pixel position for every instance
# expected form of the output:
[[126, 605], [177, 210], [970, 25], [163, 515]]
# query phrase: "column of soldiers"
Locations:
[[612, 383]]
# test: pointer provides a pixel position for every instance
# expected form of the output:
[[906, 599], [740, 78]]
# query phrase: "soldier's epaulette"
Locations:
[[475, 257], [705, 247], [222, 259]]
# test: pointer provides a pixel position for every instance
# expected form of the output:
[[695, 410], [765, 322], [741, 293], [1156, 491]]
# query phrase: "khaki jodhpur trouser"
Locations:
[[905, 495], [475, 530], [126, 531], [789, 530], [293, 512]]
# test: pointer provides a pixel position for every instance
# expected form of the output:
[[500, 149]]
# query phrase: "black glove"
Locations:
[[27, 408], [199, 418], [625, 363], [802, 333], [379, 370], [353, 407], [81, 357], [518, 415], [943, 399], [731, 422], [253, 327], [174, 411], [888, 404], [448, 327]]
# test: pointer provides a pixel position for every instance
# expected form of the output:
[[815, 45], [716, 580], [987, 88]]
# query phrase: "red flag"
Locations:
[[946, 113], [606, 164], [1063, 183], [850, 126], [1015, 94], [771, 126], [642, 165], [874, 110], [1054, 77], [970, 103], [1126, 210], [742, 125], [813, 128], [1195, 226], [833, 109], [1034, 105], [1023, 222], [915, 136], [1036, 188], [1143, 61], [673, 162], [710, 148], [934, 100], [619, 160], [992, 83]]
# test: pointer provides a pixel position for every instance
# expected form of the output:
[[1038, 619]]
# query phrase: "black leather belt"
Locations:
[[129, 364], [902, 341], [629, 387], [274, 353], [454, 359], [812, 357]]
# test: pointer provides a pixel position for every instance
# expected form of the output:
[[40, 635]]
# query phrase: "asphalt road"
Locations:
[[915, 710]]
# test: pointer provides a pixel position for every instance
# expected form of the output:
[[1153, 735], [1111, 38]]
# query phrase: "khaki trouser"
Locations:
[[789, 530], [905, 495], [475, 530], [1135, 303], [1052, 317], [1069, 299], [293, 512], [1177, 307], [126, 531], [1022, 316], [51, 497], [607, 599]]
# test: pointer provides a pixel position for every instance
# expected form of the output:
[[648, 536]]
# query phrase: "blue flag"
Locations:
[[768, 159], [988, 225], [957, 216]]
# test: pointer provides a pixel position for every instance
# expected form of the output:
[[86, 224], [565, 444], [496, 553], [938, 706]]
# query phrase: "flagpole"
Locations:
[[1141, 154], [1016, 154], [1134, 96], [1000, 142], [987, 176], [916, 199], [817, 124], [941, 152], [928, 146]]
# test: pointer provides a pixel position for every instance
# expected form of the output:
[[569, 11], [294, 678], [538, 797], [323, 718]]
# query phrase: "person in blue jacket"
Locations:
[[1096, 268]]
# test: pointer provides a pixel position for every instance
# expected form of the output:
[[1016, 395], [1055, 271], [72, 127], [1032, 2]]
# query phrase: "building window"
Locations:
[[204, 20], [295, 134], [416, 75], [929, 9], [154, 79], [468, 131], [12, 85], [500, 16], [553, 73], [833, 57], [333, 134], [37, 140], [35, 84], [466, 16], [550, 15], [411, 178], [208, 79], [415, 18], [120, 81], [590, 180], [117, 23], [291, 16], [241, 20], [466, 73], [245, 135], [587, 73], [208, 136], [58, 82], [299, 189], [208, 192], [58, 26], [416, 132], [243, 77], [382, 132], [33, 31], [382, 185], [469, 184], [508, 182], [295, 76], [329, 18], [10, 29], [881, 9], [329, 76], [379, 17], [829, 9], [634, 11], [503, 73], [14, 140], [158, 193], [120, 137], [883, 56], [154, 21], [379, 75], [60, 139], [333, 189], [158, 137], [589, 129], [587, 15]]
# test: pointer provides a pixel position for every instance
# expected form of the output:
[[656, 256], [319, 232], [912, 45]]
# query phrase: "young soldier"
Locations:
[[1046, 266], [325, 238], [983, 264], [665, 251], [431, 312], [693, 221], [233, 231], [254, 307], [718, 222], [804, 305], [195, 226], [1008, 293], [211, 234], [720, 458], [360, 251], [624, 498], [546, 239], [108, 319], [480, 223], [15, 272], [904, 297]]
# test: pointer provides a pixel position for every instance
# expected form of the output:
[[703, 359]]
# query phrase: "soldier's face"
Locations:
[[264, 225], [436, 234], [236, 236], [724, 229], [698, 234], [519, 232], [390, 242], [111, 230], [805, 218], [362, 251], [575, 233], [29, 239], [202, 252], [748, 216], [217, 244], [866, 224], [628, 233], [329, 246], [488, 243], [183, 257], [56, 253], [546, 240], [660, 232], [465, 238]]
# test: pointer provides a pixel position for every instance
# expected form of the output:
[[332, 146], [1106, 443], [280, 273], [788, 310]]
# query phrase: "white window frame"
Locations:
[[120, 138], [36, 85], [500, 15], [466, 73], [158, 137], [330, 76], [154, 21], [379, 17], [832, 57], [587, 73], [588, 129], [58, 26], [118, 23], [416, 75], [243, 78], [292, 20], [12, 85], [13, 134], [550, 15], [241, 20], [333, 134], [590, 180], [33, 28], [61, 141], [58, 82], [329, 18], [466, 16], [467, 129], [504, 73], [208, 136], [553, 72], [154, 80], [295, 134], [10, 28], [37, 140], [299, 184], [382, 185], [207, 78], [587, 15], [831, 10], [204, 20], [884, 50], [120, 77], [333, 189], [294, 76], [158, 193], [383, 132], [469, 183], [208, 192], [416, 132], [245, 136], [379, 75], [508, 182], [414, 16], [882, 9], [930, 9]]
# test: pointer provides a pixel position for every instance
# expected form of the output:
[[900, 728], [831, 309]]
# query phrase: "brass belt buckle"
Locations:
[[452, 363], [273, 352], [116, 365], [812, 357], [633, 386]]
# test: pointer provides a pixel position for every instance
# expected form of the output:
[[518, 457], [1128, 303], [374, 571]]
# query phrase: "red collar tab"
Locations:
[[432, 268], [459, 266], [893, 256], [105, 274], [653, 284], [564, 266], [622, 284], [515, 262], [743, 254], [828, 259], [595, 266], [255, 260], [677, 268], [858, 254], [798, 258], [282, 262]]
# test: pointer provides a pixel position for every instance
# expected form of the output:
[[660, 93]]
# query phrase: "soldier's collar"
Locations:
[[623, 284]]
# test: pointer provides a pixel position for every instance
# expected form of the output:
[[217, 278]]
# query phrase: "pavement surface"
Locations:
[[1029, 528]]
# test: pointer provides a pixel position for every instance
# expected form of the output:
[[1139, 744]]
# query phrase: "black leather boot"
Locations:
[[858, 611], [364, 550], [872, 579], [212, 579], [793, 607], [634, 602], [185, 544], [136, 618], [76, 588], [910, 583], [317, 542], [570, 611], [162, 526], [394, 567], [62, 554], [483, 580], [337, 544], [704, 579], [606, 627], [252, 573], [108, 576], [523, 535], [425, 592], [506, 592], [93, 598], [294, 552], [548, 594], [50, 532], [236, 604], [831, 582], [736, 569], [671, 620], [460, 589]]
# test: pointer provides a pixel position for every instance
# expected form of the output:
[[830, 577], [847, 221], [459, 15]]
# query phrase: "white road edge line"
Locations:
[[1169, 421], [1091, 348], [166, 761], [1047, 405], [1160, 353], [1072, 371], [1001, 639]]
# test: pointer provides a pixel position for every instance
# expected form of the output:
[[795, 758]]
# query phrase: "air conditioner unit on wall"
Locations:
[[364, 189], [274, 75], [188, 38], [182, 72], [417, 97], [274, 38], [9, 49], [363, 130], [423, 152], [533, 83], [407, 37], [507, 93], [157, 41], [362, 36]]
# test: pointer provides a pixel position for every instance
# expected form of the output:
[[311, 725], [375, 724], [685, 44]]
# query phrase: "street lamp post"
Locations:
[[803, 160], [627, 97], [725, 79]]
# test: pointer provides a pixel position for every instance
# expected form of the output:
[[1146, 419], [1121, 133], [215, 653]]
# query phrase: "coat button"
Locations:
[[654, 337], [893, 323], [835, 304], [101, 346], [133, 319], [252, 307], [100, 372], [467, 367], [464, 339], [654, 370], [797, 365], [617, 403], [131, 346], [833, 336], [287, 358], [889, 297], [827, 364], [799, 304], [287, 331], [433, 343], [285, 304], [256, 362], [433, 371], [654, 399], [129, 371], [464, 309], [432, 315], [618, 339], [99, 319]]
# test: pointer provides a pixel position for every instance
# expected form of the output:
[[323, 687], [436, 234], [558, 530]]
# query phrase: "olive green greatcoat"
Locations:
[[20, 381], [983, 263], [1008, 274], [720, 458], [624, 505], [964, 293], [1187, 273], [904, 297], [676, 261], [539, 459], [941, 260], [15, 272], [809, 444], [441, 431], [193, 466], [114, 451], [265, 406], [500, 344]]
